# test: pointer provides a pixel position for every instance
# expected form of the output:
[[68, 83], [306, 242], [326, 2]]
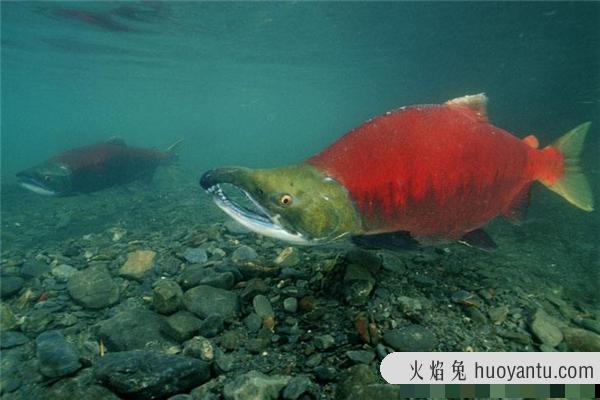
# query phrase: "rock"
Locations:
[[10, 285], [254, 287], [358, 284], [149, 375], [7, 317], [253, 322], [34, 269], [244, 254], [255, 385], [211, 326], [195, 255], [37, 321], [133, 329], [581, 340], [63, 272], [182, 326], [93, 288], [10, 339], [138, 265], [296, 387], [546, 328], [262, 306], [199, 347], [324, 342], [590, 324], [289, 257], [194, 275], [290, 304], [224, 362], [410, 338], [232, 339], [360, 356], [235, 228], [167, 296], [498, 314], [409, 305], [207, 300], [355, 377], [77, 388], [326, 373], [55, 355]]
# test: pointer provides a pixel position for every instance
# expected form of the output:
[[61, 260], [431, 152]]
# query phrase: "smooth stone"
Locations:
[[77, 388], [409, 305], [195, 255], [194, 275], [37, 321], [253, 322], [235, 227], [182, 325], [410, 338], [326, 373], [498, 314], [206, 300], [93, 288], [290, 304], [167, 296], [138, 265], [150, 375], [243, 254], [211, 326], [581, 339], [262, 306], [254, 287], [255, 385], [296, 387], [590, 324], [55, 355], [224, 362], [546, 328], [10, 285], [360, 356], [63, 272], [324, 342], [9, 322], [10, 339], [133, 329], [34, 269], [289, 257]]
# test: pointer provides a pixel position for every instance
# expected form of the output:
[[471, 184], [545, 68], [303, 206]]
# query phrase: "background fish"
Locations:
[[90, 168], [433, 172]]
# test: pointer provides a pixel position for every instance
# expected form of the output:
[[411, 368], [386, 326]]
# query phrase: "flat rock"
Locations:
[[195, 255], [296, 387], [55, 355], [167, 296], [182, 325], [7, 317], [10, 339], [244, 254], [34, 269], [410, 338], [195, 274], [206, 300], [133, 329], [10, 285], [262, 306], [255, 385], [63, 272], [138, 265], [546, 328], [150, 375], [211, 326], [93, 288], [581, 339]]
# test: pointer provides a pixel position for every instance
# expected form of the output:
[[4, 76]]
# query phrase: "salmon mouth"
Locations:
[[34, 185], [230, 198]]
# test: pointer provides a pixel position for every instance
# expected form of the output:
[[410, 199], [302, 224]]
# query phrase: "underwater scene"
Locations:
[[261, 200]]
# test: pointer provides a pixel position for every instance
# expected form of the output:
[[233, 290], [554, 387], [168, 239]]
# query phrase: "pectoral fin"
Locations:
[[400, 240], [479, 239]]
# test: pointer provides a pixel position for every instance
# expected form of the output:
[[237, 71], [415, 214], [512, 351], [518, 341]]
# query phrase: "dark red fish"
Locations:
[[94, 167]]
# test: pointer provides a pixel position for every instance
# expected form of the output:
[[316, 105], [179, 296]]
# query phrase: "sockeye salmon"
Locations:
[[429, 173], [91, 168]]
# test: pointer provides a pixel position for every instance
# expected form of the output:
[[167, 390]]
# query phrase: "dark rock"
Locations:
[[358, 284], [195, 255], [360, 356], [207, 300], [37, 321], [194, 275], [237, 275], [410, 338], [590, 324], [93, 288], [254, 287], [34, 269], [255, 385], [10, 339], [167, 296], [253, 322], [581, 340], [55, 355], [133, 329], [199, 347], [325, 373], [223, 362], [182, 325], [150, 375], [355, 377], [211, 326], [10, 285], [296, 387], [80, 387], [324, 342], [232, 339]]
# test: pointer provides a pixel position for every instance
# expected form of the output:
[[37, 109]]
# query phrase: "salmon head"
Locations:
[[51, 178], [297, 203]]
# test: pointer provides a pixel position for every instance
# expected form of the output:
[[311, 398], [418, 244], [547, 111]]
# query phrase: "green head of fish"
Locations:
[[296, 203], [51, 178]]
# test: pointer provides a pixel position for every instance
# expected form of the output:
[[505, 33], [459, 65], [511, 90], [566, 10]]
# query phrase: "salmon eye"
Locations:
[[285, 200], [47, 178]]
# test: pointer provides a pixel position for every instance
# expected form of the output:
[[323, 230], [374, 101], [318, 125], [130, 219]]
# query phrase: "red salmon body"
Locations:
[[437, 171]]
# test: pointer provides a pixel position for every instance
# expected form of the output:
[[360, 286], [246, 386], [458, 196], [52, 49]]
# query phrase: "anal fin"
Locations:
[[400, 240], [479, 239], [517, 210]]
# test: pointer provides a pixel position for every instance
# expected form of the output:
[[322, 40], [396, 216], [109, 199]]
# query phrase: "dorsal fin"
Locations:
[[475, 102], [531, 141], [116, 140]]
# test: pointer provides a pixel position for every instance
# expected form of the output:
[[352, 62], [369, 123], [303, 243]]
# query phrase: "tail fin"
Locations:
[[573, 185]]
